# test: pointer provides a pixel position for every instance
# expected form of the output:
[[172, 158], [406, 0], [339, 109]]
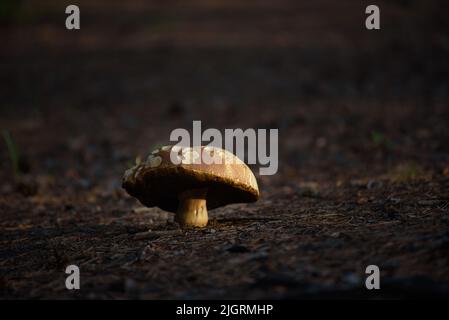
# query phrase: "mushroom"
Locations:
[[191, 187]]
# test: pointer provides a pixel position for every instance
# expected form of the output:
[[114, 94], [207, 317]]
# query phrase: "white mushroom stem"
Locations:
[[192, 209]]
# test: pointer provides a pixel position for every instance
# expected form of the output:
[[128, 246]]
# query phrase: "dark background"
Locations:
[[363, 123]]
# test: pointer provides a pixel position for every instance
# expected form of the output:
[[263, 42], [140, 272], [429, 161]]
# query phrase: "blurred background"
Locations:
[[363, 118]]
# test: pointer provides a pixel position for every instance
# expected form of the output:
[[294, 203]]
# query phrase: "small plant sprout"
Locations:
[[12, 151], [379, 139]]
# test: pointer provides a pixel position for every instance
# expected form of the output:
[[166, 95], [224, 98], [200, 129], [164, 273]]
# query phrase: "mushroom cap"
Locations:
[[157, 182]]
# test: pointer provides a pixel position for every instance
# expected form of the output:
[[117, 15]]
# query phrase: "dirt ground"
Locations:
[[363, 123]]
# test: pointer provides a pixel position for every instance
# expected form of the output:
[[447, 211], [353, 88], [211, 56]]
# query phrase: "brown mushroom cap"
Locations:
[[157, 182]]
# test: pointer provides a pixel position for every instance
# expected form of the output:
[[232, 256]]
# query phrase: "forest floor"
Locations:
[[363, 123]]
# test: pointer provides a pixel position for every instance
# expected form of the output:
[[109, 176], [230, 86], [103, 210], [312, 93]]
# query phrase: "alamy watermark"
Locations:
[[72, 282], [373, 280], [254, 146]]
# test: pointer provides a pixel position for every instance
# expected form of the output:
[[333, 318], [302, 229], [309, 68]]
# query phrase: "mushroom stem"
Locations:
[[192, 209]]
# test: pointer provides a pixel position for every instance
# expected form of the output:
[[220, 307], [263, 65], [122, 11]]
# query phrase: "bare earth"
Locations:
[[363, 120]]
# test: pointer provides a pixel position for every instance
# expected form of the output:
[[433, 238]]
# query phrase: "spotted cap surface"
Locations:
[[158, 181]]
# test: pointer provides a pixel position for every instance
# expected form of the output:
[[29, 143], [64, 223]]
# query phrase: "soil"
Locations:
[[363, 123]]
